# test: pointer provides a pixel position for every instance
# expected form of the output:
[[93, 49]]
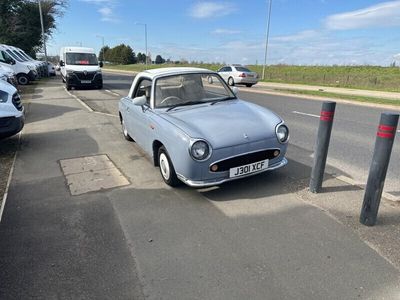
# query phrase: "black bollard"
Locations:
[[322, 145], [377, 172]]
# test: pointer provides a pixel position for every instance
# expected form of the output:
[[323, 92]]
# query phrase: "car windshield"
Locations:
[[187, 89], [81, 59], [19, 55], [13, 55], [242, 69]]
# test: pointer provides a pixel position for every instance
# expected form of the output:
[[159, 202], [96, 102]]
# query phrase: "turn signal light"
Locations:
[[276, 153], [214, 168]]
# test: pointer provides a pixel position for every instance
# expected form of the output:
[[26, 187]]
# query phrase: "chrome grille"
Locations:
[[225, 165]]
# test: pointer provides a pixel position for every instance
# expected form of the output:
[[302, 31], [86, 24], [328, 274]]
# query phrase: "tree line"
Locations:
[[20, 22], [124, 55]]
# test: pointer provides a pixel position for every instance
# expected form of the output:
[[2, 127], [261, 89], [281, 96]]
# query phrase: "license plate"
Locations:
[[248, 169], [86, 81]]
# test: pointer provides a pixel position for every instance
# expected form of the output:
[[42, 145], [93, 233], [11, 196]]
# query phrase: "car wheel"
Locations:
[[67, 86], [100, 86], [248, 84], [22, 79], [125, 131], [231, 82], [166, 168]]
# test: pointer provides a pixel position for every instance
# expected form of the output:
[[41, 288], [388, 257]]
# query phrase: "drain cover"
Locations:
[[91, 173]]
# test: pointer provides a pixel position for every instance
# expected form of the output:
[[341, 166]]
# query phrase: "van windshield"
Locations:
[[81, 59]]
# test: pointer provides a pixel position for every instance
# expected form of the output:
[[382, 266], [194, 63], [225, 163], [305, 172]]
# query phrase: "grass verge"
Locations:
[[342, 96]]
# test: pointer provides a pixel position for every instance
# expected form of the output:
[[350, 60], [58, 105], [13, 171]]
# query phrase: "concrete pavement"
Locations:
[[263, 237]]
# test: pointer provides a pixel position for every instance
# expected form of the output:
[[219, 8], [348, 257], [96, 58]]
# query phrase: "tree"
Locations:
[[159, 60], [103, 53], [20, 22]]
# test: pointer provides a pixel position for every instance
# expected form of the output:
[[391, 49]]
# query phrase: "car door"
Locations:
[[138, 116]]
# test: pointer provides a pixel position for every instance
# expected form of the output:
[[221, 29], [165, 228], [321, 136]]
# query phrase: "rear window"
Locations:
[[242, 69]]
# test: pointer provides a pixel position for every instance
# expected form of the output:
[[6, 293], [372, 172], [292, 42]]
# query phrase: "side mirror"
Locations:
[[235, 90], [139, 101], [210, 80], [62, 63], [12, 61], [100, 64]]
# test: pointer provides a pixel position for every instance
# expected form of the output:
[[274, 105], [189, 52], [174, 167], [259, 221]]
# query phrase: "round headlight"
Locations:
[[199, 150], [282, 133]]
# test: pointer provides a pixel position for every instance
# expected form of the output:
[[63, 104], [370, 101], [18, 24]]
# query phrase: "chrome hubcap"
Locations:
[[164, 166]]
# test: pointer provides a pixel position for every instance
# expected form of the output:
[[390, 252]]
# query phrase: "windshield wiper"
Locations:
[[184, 103], [223, 99]]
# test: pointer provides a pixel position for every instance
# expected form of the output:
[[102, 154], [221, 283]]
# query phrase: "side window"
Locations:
[[144, 89], [222, 69], [228, 69]]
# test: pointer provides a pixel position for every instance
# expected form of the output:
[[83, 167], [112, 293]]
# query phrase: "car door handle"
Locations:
[[127, 109]]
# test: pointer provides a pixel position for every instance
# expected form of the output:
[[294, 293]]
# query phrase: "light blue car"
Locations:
[[192, 125]]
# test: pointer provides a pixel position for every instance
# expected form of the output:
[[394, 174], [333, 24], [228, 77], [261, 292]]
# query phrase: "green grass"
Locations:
[[341, 96], [358, 77]]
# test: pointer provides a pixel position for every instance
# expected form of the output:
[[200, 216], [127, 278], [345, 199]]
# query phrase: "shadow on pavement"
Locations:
[[39, 111]]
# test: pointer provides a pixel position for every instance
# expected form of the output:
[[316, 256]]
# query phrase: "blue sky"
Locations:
[[301, 31]]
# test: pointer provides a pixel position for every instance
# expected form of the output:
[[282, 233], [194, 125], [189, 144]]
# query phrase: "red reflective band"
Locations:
[[323, 118], [327, 113], [385, 135], [387, 128]]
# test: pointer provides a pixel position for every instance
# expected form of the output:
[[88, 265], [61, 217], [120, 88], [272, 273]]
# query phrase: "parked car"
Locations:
[[11, 110], [7, 74], [52, 69], [25, 72], [238, 75], [192, 125]]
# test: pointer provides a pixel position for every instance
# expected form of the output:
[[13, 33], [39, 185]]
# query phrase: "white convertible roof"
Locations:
[[173, 71]]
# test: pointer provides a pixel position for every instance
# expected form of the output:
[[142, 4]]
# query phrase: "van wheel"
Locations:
[[167, 168], [67, 86], [100, 86], [231, 82], [22, 79], [248, 84]]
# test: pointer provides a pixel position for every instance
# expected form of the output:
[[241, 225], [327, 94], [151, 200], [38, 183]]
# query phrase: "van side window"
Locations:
[[144, 89]]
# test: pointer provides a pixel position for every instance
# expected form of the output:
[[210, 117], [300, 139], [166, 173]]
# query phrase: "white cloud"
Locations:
[[386, 14], [204, 10], [106, 9], [302, 35], [225, 31]]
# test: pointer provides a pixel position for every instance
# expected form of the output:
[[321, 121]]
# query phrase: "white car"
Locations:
[[234, 74], [11, 110], [52, 69]]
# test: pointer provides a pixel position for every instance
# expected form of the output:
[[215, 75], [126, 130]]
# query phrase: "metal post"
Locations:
[[44, 39], [266, 39], [322, 145], [145, 36], [379, 165]]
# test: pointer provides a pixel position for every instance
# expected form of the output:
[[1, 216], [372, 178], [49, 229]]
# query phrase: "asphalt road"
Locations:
[[353, 134]]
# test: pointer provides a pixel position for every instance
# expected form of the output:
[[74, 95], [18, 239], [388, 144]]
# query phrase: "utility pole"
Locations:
[[266, 39], [102, 48], [44, 39], [145, 38]]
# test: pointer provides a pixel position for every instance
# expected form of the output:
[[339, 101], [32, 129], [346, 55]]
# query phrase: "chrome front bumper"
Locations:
[[207, 183]]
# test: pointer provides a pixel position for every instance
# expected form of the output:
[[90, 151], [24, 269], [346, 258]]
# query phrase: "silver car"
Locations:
[[238, 75], [192, 125]]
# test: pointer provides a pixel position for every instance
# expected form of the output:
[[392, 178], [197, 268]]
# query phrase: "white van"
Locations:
[[8, 74], [79, 67], [40, 65], [25, 72], [11, 111], [14, 54]]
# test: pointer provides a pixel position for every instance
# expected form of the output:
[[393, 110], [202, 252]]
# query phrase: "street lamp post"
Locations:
[[102, 48], [44, 39], [266, 39], [145, 37]]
